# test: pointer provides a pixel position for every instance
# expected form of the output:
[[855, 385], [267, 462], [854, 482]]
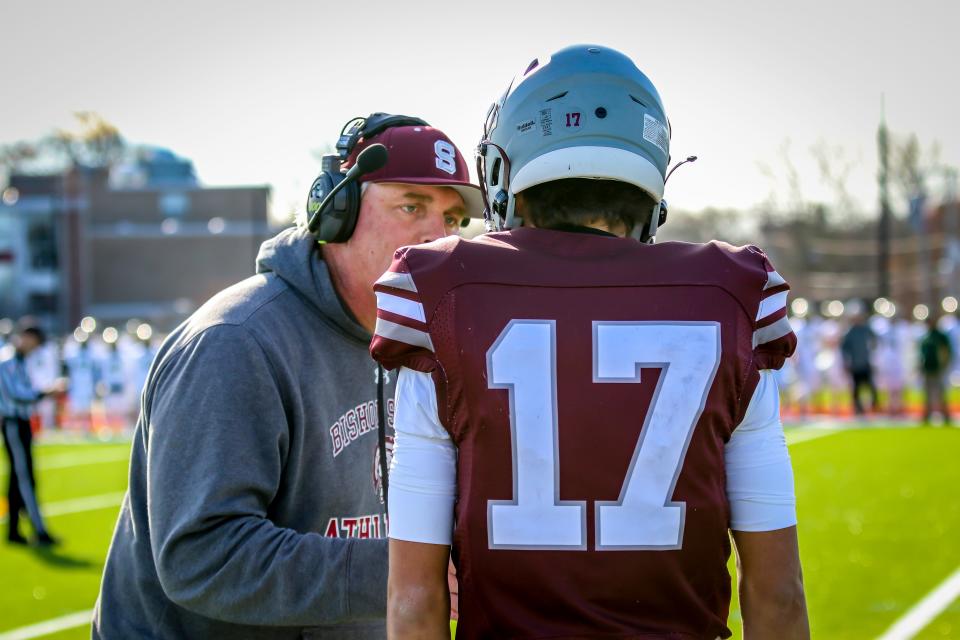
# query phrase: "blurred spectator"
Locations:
[[857, 347], [85, 375], [113, 384], [892, 336], [808, 379], [17, 399], [6, 326], [935, 356], [951, 326], [43, 368]]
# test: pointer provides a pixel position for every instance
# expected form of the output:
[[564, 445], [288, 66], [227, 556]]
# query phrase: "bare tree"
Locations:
[[14, 157], [787, 180], [95, 143], [835, 169], [729, 225], [911, 165]]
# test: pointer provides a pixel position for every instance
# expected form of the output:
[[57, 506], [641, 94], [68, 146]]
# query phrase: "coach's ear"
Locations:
[[418, 600]]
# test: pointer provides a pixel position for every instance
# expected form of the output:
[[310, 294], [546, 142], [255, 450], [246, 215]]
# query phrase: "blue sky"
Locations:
[[249, 90]]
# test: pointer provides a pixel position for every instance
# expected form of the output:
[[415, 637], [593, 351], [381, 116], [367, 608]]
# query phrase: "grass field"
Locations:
[[879, 529]]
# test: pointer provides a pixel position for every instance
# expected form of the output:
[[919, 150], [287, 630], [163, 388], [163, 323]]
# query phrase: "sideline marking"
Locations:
[[66, 460], [78, 505], [48, 627], [806, 434], [924, 612]]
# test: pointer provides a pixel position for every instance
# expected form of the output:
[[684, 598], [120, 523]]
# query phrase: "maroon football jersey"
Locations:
[[590, 384]]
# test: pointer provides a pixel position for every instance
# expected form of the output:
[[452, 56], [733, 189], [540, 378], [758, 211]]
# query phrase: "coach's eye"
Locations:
[[410, 208]]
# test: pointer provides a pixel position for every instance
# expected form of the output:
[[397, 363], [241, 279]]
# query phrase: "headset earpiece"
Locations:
[[499, 204], [339, 219]]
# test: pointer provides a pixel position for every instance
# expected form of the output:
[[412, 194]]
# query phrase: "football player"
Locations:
[[582, 414]]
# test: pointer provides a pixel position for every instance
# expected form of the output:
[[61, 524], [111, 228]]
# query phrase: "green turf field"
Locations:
[[879, 529]]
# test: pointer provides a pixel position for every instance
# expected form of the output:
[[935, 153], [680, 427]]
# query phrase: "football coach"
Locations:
[[255, 503]]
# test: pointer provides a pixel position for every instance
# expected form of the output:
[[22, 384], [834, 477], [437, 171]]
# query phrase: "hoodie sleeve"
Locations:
[[216, 450]]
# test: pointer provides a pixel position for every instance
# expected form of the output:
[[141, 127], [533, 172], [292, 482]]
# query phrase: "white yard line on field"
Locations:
[[828, 426], [924, 612], [64, 460], [805, 434], [79, 505], [67, 460], [49, 627]]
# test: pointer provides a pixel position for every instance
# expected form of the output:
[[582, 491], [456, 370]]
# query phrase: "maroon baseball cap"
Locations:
[[422, 155]]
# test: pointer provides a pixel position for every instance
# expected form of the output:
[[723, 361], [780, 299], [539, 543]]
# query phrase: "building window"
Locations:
[[174, 205], [42, 244]]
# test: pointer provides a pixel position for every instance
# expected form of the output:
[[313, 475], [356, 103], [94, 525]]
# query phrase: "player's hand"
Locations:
[[454, 587], [58, 386]]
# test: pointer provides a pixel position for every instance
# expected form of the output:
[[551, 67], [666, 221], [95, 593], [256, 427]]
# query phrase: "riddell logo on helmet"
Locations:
[[526, 125]]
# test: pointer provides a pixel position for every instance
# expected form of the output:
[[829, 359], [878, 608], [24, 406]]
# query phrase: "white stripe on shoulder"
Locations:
[[774, 279], [398, 280], [400, 333], [400, 306], [776, 330], [772, 304]]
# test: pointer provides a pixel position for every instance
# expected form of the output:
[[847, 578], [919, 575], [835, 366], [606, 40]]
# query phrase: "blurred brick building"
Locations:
[[840, 262], [143, 242]]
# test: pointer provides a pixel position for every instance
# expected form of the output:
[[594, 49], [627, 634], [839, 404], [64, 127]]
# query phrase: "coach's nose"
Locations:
[[433, 228]]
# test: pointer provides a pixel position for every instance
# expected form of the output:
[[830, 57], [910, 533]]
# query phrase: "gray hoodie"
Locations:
[[253, 509]]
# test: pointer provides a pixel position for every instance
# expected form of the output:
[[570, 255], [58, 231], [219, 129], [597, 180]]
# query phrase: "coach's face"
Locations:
[[394, 215]]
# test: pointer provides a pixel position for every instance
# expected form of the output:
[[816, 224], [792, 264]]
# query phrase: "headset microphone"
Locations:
[[647, 233], [370, 159], [678, 165]]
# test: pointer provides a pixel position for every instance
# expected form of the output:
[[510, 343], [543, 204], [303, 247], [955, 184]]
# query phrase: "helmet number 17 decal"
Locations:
[[572, 120], [523, 361]]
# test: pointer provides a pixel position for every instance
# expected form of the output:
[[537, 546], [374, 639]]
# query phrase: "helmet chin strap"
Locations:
[[647, 233], [510, 220]]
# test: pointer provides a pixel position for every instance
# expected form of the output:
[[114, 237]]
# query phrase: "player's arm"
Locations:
[[418, 601], [763, 519], [772, 600], [422, 492]]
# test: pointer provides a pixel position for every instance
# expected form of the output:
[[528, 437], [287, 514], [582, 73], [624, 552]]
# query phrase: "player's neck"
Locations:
[[596, 225]]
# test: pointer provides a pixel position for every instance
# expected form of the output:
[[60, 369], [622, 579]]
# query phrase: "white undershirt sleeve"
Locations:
[[423, 474], [759, 475]]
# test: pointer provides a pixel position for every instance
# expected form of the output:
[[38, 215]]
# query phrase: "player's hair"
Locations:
[[579, 201]]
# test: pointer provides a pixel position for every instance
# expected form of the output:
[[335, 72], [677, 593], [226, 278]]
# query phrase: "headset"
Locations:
[[336, 220]]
